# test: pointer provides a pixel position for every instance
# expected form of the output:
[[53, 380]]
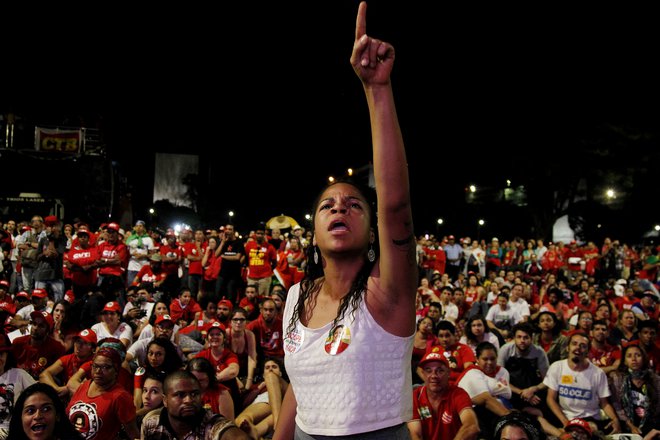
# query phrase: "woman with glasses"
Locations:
[[243, 343], [100, 407]]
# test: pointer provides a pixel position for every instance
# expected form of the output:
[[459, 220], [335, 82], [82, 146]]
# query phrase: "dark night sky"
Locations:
[[260, 90]]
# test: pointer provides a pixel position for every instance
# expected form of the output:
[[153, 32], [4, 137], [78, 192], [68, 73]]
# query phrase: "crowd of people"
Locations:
[[354, 330]]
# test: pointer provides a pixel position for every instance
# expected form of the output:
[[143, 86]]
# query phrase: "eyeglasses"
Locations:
[[104, 368], [238, 319]]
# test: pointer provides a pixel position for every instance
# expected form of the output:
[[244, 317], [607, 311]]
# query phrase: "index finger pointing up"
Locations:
[[361, 21]]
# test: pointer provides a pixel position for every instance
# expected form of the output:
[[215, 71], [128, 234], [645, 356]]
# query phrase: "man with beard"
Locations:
[[183, 414], [579, 389], [38, 350], [440, 410], [267, 329]]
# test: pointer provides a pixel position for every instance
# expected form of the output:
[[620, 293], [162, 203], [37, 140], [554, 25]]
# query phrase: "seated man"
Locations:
[[579, 389], [440, 410], [459, 356]]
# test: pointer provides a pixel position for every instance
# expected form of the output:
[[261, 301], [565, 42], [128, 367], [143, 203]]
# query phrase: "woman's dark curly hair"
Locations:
[[468, 328], [172, 360], [309, 287]]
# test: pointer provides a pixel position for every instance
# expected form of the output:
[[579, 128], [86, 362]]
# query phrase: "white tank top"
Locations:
[[360, 383]]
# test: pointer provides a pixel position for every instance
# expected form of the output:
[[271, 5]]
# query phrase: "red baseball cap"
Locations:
[[39, 293], [435, 355], [87, 335], [82, 230], [22, 294], [579, 423], [112, 306], [162, 318], [214, 325], [69, 296], [114, 226], [226, 303], [45, 316], [4, 283], [51, 220]]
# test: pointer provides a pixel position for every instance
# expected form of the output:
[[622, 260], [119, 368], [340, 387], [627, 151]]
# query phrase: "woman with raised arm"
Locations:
[[349, 324]]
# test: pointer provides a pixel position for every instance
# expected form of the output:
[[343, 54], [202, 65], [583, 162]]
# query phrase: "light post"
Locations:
[[480, 223]]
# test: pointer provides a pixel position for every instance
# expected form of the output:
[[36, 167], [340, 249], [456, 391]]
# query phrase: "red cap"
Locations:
[[26, 228], [87, 335], [435, 355], [114, 226], [39, 293], [226, 303], [82, 230], [51, 220], [213, 325], [112, 306], [162, 318], [69, 296], [451, 237], [579, 423], [4, 283], [22, 294], [45, 316]]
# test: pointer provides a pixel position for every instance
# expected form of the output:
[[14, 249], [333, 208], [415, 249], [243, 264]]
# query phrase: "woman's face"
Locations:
[[628, 319], [511, 432], [211, 308], [546, 323], [58, 313], [278, 301], [216, 337], [634, 359], [152, 393], [156, 355], [160, 309], [203, 379], [477, 327], [185, 298], [104, 373], [426, 326], [487, 361], [341, 221], [238, 322], [585, 321], [39, 417], [272, 367]]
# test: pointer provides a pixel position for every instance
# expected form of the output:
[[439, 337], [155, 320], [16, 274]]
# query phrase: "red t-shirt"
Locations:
[[190, 248], [260, 259], [101, 417], [171, 268], [604, 357], [107, 250], [446, 421], [79, 257], [457, 356], [269, 339], [35, 359]]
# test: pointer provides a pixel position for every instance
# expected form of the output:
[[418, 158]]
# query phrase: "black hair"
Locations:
[[171, 362], [446, 325], [310, 287], [63, 426], [468, 327], [181, 375], [483, 346], [647, 323], [556, 330], [527, 423]]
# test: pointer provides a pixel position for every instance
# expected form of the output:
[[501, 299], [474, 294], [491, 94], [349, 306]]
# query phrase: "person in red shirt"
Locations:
[[441, 410], [101, 406], [38, 350], [267, 328], [262, 258], [171, 256], [151, 274], [250, 302], [459, 356], [184, 308], [112, 263], [81, 260], [83, 349], [602, 354], [193, 251]]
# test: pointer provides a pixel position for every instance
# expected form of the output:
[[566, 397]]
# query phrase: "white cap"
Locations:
[[621, 282]]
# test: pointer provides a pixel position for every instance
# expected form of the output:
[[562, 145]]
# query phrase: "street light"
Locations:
[[331, 179], [473, 188], [152, 211], [610, 194], [480, 223], [440, 221], [350, 171]]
